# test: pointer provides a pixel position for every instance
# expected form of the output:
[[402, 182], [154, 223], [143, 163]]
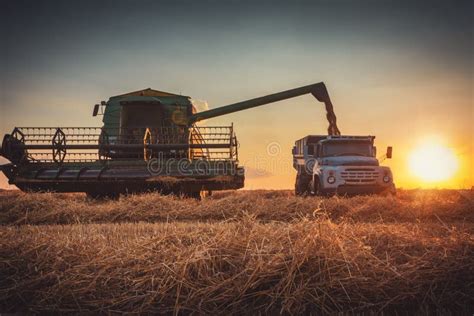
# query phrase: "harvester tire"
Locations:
[[103, 195], [191, 195]]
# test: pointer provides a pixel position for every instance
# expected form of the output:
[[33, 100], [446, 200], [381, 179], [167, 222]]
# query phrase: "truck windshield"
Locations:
[[341, 148]]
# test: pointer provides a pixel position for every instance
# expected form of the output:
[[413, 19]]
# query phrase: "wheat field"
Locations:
[[262, 252]]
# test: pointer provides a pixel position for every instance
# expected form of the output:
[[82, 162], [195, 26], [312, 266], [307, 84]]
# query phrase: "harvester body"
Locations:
[[150, 140], [340, 165]]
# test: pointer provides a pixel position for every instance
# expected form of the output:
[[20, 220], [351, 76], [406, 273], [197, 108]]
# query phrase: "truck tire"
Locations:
[[302, 184], [393, 190], [313, 186]]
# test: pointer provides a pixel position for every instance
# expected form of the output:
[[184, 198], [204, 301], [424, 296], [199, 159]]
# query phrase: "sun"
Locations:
[[433, 162]]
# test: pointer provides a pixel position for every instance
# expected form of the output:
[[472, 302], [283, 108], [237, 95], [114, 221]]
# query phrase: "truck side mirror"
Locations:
[[96, 110], [389, 152]]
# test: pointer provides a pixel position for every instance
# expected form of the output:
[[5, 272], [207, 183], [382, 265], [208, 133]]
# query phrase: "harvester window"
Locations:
[[145, 115]]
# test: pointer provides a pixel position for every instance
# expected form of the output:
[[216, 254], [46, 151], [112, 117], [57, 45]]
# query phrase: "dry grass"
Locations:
[[254, 251], [18, 208]]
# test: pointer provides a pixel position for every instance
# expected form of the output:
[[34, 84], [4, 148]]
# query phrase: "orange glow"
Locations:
[[433, 163]]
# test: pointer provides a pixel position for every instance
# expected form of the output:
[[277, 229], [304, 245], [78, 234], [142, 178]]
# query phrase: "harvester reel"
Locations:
[[17, 134], [13, 153], [18, 138], [59, 146]]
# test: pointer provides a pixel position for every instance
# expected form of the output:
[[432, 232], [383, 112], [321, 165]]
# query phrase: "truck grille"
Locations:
[[360, 176]]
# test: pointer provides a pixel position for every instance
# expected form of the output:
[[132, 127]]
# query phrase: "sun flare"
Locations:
[[433, 162]]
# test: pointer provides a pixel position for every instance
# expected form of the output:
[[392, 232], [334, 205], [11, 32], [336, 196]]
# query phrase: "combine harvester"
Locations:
[[149, 141]]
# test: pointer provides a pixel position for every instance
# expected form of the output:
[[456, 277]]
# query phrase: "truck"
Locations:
[[340, 164]]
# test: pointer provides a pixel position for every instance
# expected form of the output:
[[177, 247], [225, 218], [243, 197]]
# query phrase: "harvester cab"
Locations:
[[147, 117], [150, 140]]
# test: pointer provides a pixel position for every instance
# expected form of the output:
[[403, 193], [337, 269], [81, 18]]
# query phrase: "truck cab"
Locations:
[[340, 165]]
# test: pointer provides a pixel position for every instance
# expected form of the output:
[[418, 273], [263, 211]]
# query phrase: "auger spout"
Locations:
[[318, 90]]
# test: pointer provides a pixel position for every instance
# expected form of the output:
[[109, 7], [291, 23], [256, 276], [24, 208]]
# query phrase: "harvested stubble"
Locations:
[[18, 208], [325, 259]]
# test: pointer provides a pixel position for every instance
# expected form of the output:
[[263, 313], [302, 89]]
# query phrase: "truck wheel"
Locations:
[[391, 191], [313, 186], [301, 185]]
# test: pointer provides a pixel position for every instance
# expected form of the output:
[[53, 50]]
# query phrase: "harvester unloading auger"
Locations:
[[149, 141]]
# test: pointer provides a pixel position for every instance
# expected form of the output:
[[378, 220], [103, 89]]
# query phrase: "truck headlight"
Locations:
[[386, 179], [331, 179]]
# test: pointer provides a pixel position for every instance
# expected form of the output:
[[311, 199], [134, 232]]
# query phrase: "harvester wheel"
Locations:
[[198, 195], [191, 194], [205, 193], [103, 195]]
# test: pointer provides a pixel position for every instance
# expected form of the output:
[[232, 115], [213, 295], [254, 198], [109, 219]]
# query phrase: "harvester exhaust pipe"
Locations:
[[318, 90]]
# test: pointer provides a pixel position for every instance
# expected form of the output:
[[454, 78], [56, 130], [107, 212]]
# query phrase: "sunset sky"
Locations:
[[402, 71]]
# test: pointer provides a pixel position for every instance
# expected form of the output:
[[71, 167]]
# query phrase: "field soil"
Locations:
[[238, 252]]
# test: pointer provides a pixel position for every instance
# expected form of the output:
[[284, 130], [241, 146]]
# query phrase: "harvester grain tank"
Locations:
[[149, 141]]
